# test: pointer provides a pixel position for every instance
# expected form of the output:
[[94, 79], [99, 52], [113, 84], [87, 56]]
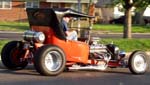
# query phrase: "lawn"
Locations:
[[14, 26], [129, 44], [22, 26], [119, 28], [2, 43]]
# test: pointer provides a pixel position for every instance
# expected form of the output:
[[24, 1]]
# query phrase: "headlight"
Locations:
[[113, 48], [34, 36], [116, 50]]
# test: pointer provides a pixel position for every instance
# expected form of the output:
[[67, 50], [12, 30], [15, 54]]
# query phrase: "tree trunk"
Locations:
[[138, 19], [127, 24]]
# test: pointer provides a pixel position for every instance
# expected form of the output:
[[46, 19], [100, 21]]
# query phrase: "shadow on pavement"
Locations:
[[29, 70]]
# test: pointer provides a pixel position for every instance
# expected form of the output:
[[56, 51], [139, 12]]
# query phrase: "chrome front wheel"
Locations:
[[138, 62]]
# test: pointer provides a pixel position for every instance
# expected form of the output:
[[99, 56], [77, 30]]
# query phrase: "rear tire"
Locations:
[[50, 60], [11, 54], [138, 62]]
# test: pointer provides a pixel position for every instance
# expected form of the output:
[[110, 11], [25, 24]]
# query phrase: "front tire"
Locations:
[[138, 62], [11, 55], [50, 60]]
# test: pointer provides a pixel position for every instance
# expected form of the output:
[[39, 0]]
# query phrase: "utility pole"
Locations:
[[91, 11], [79, 9]]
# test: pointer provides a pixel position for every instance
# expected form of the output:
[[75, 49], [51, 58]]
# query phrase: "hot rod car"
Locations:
[[45, 45]]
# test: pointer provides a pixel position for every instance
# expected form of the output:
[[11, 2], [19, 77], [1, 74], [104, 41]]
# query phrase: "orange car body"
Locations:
[[75, 51]]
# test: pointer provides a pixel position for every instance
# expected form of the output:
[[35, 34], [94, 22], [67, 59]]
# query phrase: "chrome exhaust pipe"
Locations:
[[89, 67]]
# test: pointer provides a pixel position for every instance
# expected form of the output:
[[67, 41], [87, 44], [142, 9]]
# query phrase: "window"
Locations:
[[32, 4], [75, 7], [5, 4], [55, 5]]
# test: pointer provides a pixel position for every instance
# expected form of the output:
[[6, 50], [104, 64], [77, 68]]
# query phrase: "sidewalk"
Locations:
[[108, 32], [10, 32]]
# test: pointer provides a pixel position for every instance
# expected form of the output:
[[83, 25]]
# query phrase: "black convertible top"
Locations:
[[44, 16], [51, 17], [70, 12]]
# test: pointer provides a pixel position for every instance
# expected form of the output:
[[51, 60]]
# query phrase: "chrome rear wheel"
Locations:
[[53, 61], [50, 60]]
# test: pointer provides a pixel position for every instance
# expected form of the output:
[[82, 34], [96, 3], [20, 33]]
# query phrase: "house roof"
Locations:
[[62, 1], [103, 3], [71, 1]]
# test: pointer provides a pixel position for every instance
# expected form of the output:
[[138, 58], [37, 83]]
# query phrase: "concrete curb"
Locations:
[[99, 32]]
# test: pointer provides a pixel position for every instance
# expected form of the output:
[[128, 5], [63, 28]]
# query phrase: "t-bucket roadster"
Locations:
[[45, 45]]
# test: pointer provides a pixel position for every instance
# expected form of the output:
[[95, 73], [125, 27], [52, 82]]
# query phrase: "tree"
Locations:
[[128, 5], [140, 8]]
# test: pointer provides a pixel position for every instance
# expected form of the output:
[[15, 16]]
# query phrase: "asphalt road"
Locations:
[[18, 36], [115, 76], [119, 35]]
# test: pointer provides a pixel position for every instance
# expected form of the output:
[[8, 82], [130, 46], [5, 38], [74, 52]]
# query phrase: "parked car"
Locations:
[[121, 20], [146, 19]]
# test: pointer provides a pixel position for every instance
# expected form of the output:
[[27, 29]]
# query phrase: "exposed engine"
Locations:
[[102, 54], [99, 52]]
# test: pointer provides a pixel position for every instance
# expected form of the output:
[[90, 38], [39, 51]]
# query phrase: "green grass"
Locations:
[[2, 43], [127, 45], [22, 26], [14, 26], [119, 28]]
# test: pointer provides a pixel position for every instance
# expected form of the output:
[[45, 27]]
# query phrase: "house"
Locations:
[[106, 12], [103, 11], [15, 10]]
